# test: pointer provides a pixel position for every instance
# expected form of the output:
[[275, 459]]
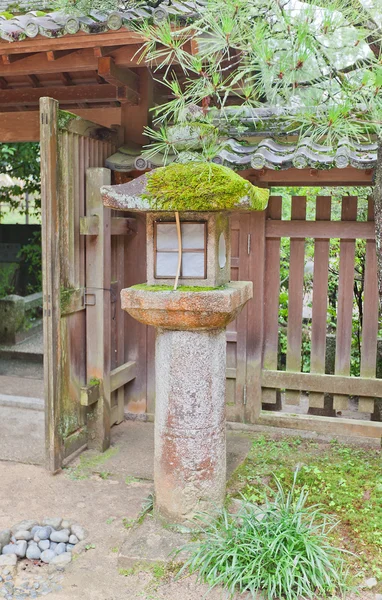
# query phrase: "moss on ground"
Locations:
[[181, 288], [91, 463], [200, 186], [345, 479]]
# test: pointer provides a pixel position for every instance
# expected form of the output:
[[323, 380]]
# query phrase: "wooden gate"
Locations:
[[84, 369]]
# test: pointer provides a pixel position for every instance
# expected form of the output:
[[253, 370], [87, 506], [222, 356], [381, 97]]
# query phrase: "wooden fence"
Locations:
[[317, 383]]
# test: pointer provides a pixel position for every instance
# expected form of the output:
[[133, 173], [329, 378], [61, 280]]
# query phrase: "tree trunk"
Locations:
[[378, 216]]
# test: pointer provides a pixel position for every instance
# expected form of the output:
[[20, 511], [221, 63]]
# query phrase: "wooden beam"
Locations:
[[123, 37], [122, 375], [119, 225], [3, 83], [24, 126], [309, 177], [66, 95], [90, 394], [315, 382], [34, 81], [125, 78], [53, 55], [66, 79]]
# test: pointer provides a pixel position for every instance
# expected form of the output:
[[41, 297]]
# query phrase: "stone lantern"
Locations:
[[191, 248]]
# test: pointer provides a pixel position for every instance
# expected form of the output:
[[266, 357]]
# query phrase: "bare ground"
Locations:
[[100, 502]]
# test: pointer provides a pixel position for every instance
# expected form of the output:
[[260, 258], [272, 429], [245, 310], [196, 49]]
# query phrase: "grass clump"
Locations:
[[90, 464], [280, 549], [346, 480], [201, 186]]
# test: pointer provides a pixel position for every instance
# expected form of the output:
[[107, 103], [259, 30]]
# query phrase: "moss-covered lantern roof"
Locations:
[[189, 187]]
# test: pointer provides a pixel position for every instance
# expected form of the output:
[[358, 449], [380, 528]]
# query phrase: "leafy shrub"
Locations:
[[281, 549], [31, 260]]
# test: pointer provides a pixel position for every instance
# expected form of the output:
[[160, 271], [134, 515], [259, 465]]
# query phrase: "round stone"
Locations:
[[53, 522], [62, 559], [21, 548], [5, 537], [23, 535], [9, 549], [47, 556], [24, 525], [53, 545], [33, 553], [78, 531], [60, 536], [42, 533], [61, 548], [69, 547], [73, 540], [44, 545]]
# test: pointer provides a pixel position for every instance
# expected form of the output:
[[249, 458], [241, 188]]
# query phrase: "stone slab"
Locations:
[[150, 543]]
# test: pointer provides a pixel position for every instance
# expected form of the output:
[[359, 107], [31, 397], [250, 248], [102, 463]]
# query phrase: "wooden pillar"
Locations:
[[98, 311]]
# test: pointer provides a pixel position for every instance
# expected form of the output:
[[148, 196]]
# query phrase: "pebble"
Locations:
[[24, 525], [60, 549], [66, 524], [79, 548], [370, 583], [69, 547], [54, 523], [47, 556], [33, 553], [20, 548], [9, 549], [378, 596], [62, 559], [44, 545], [42, 533], [5, 537], [60, 536], [35, 528], [53, 545], [73, 539], [78, 531], [23, 535]]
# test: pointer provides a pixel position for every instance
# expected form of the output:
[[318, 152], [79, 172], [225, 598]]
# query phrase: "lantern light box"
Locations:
[[205, 244]]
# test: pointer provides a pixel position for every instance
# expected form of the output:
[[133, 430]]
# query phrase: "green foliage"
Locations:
[[281, 549], [7, 280], [201, 186], [85, 7], [346, 480], [21, 161], [30, 257]]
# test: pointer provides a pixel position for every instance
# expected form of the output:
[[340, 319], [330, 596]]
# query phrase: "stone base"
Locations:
[[150, 543]]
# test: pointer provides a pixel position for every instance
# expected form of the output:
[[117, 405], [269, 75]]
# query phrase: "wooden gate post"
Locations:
[[98, 310], [51, 281]]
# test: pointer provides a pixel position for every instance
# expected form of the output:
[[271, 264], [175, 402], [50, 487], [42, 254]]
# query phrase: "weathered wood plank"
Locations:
[[295, 298], [98, 315], [345, 300], [271, 299], [326, 425], [370, 317], [122, 375], [316, 229], [320, 300], [333, 384], [51, 282], [90, 394]]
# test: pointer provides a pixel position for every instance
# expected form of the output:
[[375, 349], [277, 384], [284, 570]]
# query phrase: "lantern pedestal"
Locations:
[[190, 363]]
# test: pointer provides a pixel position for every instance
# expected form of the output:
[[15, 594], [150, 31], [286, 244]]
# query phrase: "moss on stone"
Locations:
[[201, 187], [182, 288]]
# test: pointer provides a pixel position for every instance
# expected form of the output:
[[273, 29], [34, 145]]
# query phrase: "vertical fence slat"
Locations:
[[295, 298], [120, 322], [255, 314], [271, 301], [370, 317], [345, 301], [320, 300]]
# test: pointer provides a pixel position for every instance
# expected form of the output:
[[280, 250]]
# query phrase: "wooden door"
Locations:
[[68, 147]]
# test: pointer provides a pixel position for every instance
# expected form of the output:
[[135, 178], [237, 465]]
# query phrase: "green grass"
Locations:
[[281, 549], [346, 480], [90, 464]]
